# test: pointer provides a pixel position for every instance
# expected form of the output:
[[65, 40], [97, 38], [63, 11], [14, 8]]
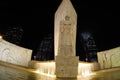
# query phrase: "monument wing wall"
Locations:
[[14, 54], [109, 58]]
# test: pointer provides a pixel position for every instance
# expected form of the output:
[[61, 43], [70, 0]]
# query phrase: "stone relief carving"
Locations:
[[14, 54], [66, 33], [109, 58]]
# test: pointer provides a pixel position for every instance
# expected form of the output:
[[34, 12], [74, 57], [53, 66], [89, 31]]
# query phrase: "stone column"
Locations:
[[65, 40]]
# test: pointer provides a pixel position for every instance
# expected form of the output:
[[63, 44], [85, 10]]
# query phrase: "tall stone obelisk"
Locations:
[[65, 40]]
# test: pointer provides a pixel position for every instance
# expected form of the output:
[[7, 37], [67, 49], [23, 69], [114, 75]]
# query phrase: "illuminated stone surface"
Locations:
[[14, 54], [109, 58], [87, 68], [43, 67], [67, 66], [65, 40], [65, 28]]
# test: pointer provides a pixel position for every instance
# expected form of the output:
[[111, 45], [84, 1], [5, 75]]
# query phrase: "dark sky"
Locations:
[[102, 18]]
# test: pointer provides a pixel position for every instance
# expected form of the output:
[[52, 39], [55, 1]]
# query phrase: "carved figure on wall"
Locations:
[[66, 33]]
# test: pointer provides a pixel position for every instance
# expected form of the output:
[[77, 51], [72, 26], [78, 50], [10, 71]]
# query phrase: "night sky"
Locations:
[[37, 20]]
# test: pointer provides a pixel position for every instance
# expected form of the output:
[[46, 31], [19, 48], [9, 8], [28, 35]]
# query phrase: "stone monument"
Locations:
[[65, 40]]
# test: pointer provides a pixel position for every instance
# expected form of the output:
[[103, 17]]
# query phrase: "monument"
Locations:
[[66, 63], [65, 40]]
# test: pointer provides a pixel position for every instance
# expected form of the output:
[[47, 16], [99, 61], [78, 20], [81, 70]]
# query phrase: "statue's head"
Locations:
[[67, 18]]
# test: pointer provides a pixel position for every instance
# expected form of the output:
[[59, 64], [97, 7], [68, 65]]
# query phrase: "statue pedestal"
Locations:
[[67, 66]]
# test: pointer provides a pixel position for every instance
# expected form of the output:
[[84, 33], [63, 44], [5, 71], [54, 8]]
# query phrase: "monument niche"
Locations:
[[65, 40]]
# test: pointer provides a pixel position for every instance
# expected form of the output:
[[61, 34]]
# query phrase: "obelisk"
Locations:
[[65, 40]]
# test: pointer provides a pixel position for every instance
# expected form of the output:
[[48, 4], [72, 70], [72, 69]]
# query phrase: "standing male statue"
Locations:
[[65, 36]]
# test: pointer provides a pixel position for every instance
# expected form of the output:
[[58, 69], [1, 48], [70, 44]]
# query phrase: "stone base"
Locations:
[[67, 66]]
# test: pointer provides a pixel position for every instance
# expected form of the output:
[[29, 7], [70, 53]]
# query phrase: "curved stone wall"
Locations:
[[14, 54], [109, 58]]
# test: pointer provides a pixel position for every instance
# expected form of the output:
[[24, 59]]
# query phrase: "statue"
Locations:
[[65, 40]]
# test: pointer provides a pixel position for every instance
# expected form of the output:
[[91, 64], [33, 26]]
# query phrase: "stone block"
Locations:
[[14, 54], [109, 58], [67, 66]]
